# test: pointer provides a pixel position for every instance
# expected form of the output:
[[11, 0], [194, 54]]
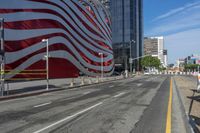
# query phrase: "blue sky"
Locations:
[[178, 21]]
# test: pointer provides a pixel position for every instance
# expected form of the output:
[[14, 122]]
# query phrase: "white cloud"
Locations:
[[177, 10], [177, 20], [182, 44], [181, 28]]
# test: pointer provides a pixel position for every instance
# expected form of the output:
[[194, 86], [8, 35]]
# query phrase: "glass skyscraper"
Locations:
[[127, 25]]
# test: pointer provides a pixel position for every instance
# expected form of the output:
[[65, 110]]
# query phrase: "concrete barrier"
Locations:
[[97, 80], [82, 81], [72, 83], [198, 83], [89, 81]]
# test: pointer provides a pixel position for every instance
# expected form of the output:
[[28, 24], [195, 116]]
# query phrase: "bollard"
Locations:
[[82, 81], [72, 82], [97, 81], [126, 73], [90, 81], [198, 83]]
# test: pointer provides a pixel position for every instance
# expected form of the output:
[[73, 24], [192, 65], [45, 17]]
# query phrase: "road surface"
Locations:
[[138, 105]]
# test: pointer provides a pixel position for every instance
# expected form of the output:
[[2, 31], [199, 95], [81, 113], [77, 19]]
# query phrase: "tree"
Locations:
[[191, 67], [150, 62]]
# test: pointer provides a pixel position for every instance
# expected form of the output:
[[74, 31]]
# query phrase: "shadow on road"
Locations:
[[28, 89], [194, 120]]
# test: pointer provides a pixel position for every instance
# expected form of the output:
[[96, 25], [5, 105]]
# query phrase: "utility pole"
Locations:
[[47, 61], [101, 54], [130, 59], [2, 54]]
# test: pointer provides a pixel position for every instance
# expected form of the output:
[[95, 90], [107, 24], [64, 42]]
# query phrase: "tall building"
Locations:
[[127, 29], [154, 46], [150, 46]]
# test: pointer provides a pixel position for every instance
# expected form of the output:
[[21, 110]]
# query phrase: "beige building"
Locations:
[[150, 46], [154, 46]]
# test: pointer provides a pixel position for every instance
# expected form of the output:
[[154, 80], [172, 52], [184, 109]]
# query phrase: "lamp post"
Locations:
[[101, 54], [2, 54], [47, 61], [130, 59]]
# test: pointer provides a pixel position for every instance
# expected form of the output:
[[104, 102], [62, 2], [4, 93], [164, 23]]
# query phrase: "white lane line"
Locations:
[[120, 94], [111, 86], [139, 84], [68, 117], [40, 105], [85, 93]]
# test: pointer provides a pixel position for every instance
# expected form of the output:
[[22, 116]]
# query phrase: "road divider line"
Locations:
[[85, 93], [169, 111], [111, 86], [40, 105], [120, 94], [68, 117]]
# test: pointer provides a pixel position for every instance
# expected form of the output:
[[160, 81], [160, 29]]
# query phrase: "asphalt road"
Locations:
[[137, 105]]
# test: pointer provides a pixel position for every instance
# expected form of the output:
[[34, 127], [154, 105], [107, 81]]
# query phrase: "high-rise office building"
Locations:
[[154, 46], [127, 29]]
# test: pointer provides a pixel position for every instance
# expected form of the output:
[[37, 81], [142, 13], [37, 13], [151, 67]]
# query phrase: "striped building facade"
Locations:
[[77, 30]]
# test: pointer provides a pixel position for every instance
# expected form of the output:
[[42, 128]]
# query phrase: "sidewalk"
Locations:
[[190, 99], [39, 86]]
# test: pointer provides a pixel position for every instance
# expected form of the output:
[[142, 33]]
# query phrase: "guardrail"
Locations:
[[34, 72]]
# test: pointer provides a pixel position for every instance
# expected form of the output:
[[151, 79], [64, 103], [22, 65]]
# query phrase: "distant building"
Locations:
[[154, 46], [193, 59], [180, 63], [151, 46], [165, 54]]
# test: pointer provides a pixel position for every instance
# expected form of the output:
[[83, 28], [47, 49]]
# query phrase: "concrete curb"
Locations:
[[187, 123], [60, 88]]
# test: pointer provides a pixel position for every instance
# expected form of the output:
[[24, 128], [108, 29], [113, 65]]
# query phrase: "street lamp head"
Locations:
[[44, 40], [133, 41], [100, 53]]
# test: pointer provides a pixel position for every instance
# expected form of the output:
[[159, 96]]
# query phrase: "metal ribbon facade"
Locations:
[[78, 30]]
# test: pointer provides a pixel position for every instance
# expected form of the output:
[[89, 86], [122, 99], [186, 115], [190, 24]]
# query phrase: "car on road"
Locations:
[[146, 73]]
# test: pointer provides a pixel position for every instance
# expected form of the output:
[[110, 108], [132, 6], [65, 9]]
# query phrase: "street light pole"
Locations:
[[130, 59], [101, 54], [2, 56], [47, 61]]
